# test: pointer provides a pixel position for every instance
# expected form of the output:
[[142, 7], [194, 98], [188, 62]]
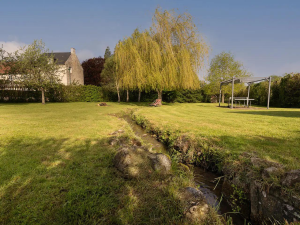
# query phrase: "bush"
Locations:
[[76, 93], [285, 91], [62, 93]]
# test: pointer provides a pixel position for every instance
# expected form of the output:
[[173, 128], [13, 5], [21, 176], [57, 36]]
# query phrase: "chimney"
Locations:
[[72, 50]]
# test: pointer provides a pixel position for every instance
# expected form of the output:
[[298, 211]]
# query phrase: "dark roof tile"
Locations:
[[60, 57]]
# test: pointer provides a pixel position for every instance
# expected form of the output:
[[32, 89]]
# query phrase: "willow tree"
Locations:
[[177, 52], [131, 62], [167, 57]]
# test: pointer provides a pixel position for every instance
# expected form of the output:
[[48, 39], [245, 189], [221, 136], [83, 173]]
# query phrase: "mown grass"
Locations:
[[272, 134], [56, 168]]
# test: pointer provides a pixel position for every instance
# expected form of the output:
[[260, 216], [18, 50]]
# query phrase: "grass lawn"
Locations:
[[56, 163], [56, 168], [273, 134]]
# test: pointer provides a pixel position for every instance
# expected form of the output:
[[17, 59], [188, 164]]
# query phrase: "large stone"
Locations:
[[160, 162], [196, 207], [133, 162], [193, 193], [291, 178], [122, 160]]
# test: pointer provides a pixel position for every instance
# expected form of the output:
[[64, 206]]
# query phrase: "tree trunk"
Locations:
[[159, 95], [127, 98], [118, 91], [139, 99], [223, 97], [43, 96]]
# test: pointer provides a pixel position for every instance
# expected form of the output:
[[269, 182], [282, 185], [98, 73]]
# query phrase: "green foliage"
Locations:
[[77, 93], [224, 67], [107, 53], [185, 96], [61, 93], [167, 57], [237, 197], [285, 91]]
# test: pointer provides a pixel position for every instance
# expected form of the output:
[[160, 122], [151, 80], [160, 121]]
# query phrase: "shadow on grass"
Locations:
[[59, 181], [294, 114]]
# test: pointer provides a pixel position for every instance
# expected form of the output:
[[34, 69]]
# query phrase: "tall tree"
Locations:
[[92, 69], [168, 57], [224, 67], [34, 68], [110, 76], [182, 52], [107, 53]]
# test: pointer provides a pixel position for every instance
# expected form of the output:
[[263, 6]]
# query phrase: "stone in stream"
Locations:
[[160, 162], [196, 207]]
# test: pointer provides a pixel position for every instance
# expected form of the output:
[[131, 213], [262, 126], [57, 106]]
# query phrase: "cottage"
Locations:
[[70, 68]]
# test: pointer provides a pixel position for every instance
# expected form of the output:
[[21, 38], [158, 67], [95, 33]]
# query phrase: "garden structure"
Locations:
[[249, 81]]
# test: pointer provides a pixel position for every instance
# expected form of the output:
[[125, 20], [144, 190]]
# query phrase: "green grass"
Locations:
[[56, 168], [56, 164], [273, 134]]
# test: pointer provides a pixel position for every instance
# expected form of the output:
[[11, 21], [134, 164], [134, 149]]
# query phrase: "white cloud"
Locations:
[[11, 46], [84, 54]]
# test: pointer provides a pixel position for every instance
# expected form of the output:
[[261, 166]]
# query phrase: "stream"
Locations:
[[205, 180]]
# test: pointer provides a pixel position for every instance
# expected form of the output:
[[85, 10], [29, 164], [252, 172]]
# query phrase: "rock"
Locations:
[[291, 178], [195, 204], [197, 212], [194, 193], [122, 159], [133, 162], [102, 104], [160, 162], [270, 172]]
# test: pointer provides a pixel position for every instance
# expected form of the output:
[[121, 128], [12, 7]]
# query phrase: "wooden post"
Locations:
[[232, 93], [269, 93], [220, 95], [248, 95]]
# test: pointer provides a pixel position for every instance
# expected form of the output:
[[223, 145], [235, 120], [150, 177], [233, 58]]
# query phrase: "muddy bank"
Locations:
[[261, 190]]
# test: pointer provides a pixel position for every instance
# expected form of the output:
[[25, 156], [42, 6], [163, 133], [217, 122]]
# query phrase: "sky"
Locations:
[[263, 34]]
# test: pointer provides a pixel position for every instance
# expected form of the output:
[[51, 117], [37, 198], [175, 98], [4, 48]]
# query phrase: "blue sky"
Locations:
[[264, 35]]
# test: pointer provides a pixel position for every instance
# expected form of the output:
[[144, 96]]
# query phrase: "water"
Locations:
[[212, 190], [204, 179]]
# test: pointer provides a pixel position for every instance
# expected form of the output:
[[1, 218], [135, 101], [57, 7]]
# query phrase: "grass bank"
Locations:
[[56, 168], [272, 134]]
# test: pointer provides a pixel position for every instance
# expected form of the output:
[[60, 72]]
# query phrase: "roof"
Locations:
[[60, 57], [248, 80]]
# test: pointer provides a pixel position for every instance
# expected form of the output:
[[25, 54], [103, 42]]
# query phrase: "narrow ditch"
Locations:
[[204, 179]]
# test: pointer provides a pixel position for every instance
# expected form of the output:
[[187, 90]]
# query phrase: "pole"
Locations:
[[232, 93], [269, 93], [220, 95], [248, 95]]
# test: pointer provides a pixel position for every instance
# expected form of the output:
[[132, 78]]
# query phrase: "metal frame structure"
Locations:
[[249, 81]]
